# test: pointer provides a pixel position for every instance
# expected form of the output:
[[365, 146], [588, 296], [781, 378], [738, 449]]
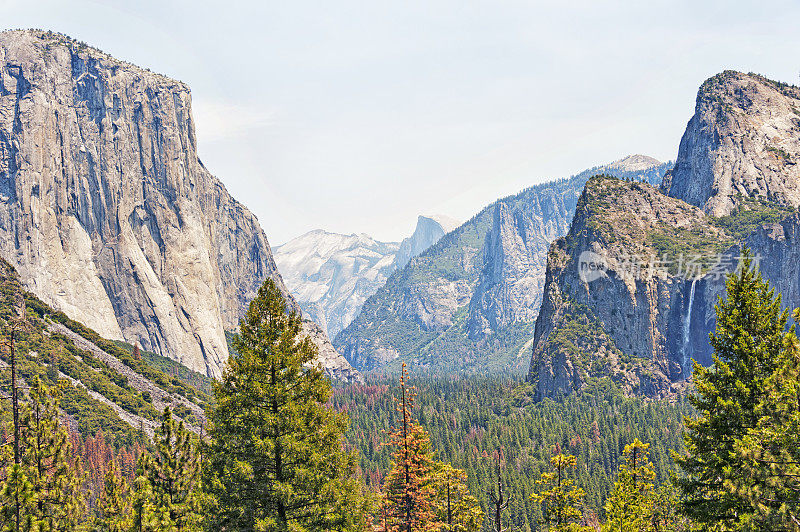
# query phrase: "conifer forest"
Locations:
[[283, 449]]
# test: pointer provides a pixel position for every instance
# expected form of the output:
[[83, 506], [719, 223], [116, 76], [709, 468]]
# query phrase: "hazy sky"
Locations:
[[357, 116]]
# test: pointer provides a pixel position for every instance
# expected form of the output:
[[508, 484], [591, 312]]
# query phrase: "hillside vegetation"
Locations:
[[109, 390]]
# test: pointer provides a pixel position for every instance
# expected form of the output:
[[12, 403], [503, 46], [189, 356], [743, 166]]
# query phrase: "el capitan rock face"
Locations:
[[106, 210], [743, 141]]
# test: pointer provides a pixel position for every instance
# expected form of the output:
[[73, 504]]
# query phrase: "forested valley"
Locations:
[[280, 448], [473, 421]]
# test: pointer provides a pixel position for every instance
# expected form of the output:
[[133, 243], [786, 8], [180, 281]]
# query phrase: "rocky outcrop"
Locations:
[[468, 304], [743, 141], [614, 280], [509, 288], [334, 364], [630, 291], [331, 275], [735, 182], [106, 210]]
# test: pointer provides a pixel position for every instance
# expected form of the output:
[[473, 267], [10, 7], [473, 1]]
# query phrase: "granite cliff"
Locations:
[[106, 210], [630, 291], [742, 142], [469, 303]]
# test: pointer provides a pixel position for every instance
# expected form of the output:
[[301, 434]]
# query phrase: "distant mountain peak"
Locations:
[[468, 303], [332, 274], [446, 222], [635, 163]]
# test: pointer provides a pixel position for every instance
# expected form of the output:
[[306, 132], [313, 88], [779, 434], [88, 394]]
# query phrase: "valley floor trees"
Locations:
[[421, 493], [275, 458]]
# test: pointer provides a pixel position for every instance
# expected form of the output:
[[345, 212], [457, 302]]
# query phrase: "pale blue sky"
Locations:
[[357, 116]]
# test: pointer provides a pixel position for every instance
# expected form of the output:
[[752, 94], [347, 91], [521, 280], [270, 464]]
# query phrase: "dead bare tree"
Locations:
[[498, 501]]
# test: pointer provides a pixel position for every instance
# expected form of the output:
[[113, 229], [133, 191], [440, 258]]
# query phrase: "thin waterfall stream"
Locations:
[[687, 322]]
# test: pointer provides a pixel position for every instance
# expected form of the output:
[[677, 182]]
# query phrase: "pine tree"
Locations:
[[17, 491], [146, 515], [17, 501], [113, 505], [172, 472], [770, 452], [665, 516], [629, 508], [56, 481], [747, 343], [408, 488], [454, 506], [276, 457], [560, 497]]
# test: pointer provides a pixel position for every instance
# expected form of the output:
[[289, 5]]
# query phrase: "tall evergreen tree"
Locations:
[[146, 514], [560, 497], [747, 342], [629, 508], [409, 485], [17, 501], [16, 488], [172, 473], [771, 451], [55, 479], [276, 457], [454, 505]]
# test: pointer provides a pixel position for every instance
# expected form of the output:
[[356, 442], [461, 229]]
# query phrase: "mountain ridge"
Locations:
[[438, 314]]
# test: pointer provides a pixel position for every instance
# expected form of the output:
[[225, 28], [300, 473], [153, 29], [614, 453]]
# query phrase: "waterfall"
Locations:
[[687, 322]]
